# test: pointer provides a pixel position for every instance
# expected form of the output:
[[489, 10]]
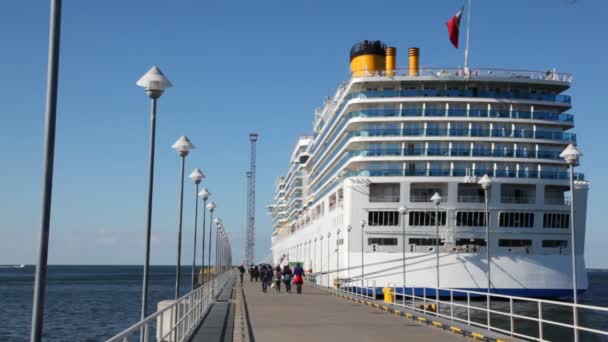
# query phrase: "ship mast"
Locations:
[[466, 50]]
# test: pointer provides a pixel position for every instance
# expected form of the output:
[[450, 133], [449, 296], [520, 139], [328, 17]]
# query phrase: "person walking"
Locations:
[[251, 273], [265, 275], [256, 273], [287, 277], [241, 271], [298, 279], [277, 279]]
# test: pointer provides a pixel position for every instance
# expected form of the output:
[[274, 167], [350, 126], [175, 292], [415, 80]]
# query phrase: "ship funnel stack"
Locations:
[[368, 58], [414, 54], [391, 61]]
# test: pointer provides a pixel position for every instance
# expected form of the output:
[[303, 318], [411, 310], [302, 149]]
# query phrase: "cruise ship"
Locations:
[[358, 189]]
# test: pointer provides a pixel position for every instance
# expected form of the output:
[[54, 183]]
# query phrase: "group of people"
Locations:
[[268, 275]]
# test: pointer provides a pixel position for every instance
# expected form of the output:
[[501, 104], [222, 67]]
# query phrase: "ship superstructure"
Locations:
[[392, 138]]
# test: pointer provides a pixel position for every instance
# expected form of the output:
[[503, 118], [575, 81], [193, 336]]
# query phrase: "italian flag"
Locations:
[[454, 27]]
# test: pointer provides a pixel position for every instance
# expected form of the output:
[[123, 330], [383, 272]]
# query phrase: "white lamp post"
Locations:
[[211, 208], [338, 254], [196, 176], [348, 229], [362, 256], [436, 199], [486, 184], [204, 195], [183, 146], [155, 83], [571, 155], [402, 211]]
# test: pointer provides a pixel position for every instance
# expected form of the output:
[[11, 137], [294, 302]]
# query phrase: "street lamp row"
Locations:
[[155, 83]]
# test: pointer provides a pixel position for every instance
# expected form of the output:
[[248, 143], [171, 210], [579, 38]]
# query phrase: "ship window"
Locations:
[[382, 241], [422, 192], [555, 244], [470, 219], [383, 218], [384, 192], [518, 193], [556, 220], [332, 201], [516, 219], [425, 242], [426, 218], [514, 243], [470, 242], [470, 193]]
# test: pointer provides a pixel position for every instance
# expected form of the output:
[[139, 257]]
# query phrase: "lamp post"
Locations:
[[196, 176], [362, 255], [211, 208], [402, 211], [436, 199], [314, 258], [183, 147], [486, 184], [49, 159], [155, 83], [348, 229], [204, 194], [338, 254], [321, 259], [218, 223], [328, 257], [571, 155]]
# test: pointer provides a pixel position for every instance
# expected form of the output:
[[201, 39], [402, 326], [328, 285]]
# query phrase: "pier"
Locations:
[[317, 315]]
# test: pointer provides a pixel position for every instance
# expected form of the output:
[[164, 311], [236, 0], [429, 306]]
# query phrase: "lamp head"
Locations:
[[436, 199], [362, 223], [485, 182], [217, 221], [211, 206], [402, 210], [204, 194], [154, 82], [349, 228], [571, 154], [197, 176], [183, 146]]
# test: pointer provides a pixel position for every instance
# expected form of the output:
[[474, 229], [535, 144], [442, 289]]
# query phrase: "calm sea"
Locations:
[[92, 303], [83, 303]]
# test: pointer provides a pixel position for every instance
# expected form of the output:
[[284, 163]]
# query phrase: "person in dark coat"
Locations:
[[298, 272], [256, 273], [287, 277], [265, 276]]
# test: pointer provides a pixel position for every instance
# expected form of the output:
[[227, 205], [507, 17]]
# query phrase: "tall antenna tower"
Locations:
[[253, 138], [247, 219]]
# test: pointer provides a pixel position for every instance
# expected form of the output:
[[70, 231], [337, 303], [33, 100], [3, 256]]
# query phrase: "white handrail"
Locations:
[[189, 309], [447, 305]]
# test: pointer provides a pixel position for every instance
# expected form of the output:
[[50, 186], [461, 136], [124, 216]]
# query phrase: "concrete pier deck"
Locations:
[[317, 316]]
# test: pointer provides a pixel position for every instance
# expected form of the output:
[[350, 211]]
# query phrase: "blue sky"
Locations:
[[237, 67]]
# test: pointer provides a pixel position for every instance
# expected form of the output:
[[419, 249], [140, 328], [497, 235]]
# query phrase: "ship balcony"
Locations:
[[456, 152], [460, 93], [451, 74], [524, 174], [459, 132], [461, 113]]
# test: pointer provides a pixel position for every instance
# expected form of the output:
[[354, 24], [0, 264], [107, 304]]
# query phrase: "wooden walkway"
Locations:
[[316, 316]]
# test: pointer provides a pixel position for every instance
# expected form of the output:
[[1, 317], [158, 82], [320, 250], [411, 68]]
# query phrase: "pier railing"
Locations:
[[177, 321], [520, 317]]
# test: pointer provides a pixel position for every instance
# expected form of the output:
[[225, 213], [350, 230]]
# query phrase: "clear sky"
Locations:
[[237, 67]]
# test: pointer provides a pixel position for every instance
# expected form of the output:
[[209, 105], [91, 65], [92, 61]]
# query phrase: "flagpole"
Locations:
[[466, 50]]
